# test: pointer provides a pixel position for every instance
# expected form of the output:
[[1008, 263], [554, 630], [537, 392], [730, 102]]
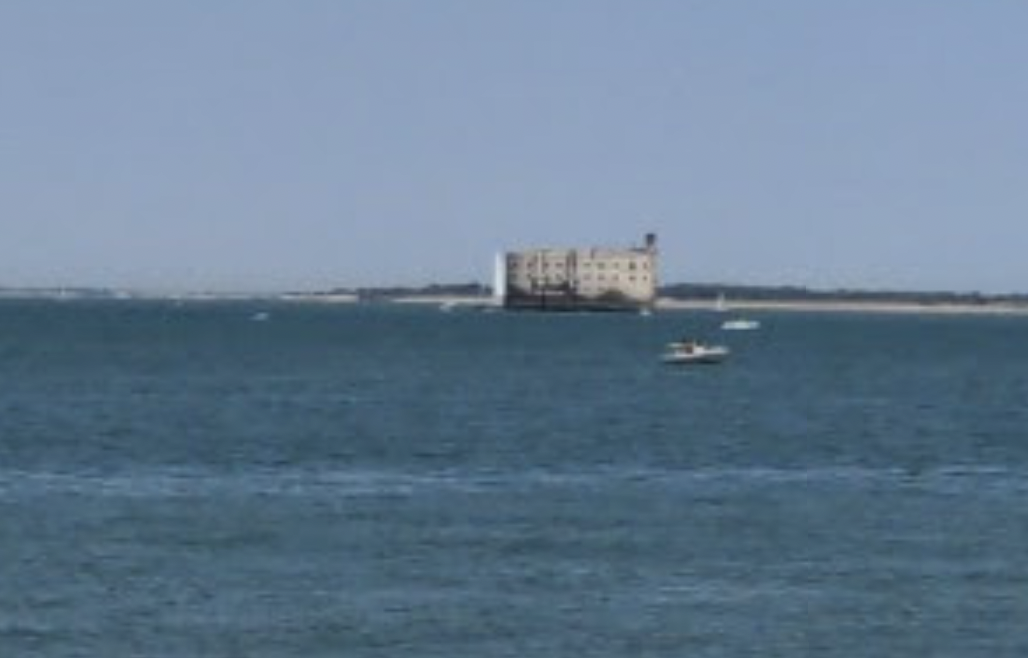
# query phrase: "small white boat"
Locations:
[[693, 352], [740, 325]]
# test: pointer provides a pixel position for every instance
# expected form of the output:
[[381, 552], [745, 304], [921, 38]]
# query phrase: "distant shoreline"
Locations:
[[846, 306], [738, 306], [735, 306]]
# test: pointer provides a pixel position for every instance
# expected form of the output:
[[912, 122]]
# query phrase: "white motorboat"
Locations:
[[693, 352], [740, 325]]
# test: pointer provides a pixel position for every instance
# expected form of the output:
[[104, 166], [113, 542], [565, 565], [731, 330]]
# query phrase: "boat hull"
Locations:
[[740, 325], [699, 356]]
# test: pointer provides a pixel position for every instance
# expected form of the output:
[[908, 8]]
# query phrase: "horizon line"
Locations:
[[704, 286]]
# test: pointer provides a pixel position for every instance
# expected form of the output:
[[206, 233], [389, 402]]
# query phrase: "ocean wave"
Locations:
[[292, 482]]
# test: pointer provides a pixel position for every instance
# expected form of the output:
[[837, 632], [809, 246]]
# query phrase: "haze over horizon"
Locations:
[[264, 145]]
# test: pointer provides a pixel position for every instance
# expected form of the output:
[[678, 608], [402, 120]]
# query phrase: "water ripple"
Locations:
[[200, 483]]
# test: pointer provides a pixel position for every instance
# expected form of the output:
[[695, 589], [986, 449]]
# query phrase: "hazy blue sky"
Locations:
[[268, 145]]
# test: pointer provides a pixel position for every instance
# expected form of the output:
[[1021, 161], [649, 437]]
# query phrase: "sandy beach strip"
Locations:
[[334, 298]]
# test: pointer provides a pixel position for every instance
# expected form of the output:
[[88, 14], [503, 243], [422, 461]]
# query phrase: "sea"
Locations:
[[278, 480]]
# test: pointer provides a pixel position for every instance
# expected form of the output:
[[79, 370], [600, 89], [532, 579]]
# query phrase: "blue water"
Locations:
[[386, 481]]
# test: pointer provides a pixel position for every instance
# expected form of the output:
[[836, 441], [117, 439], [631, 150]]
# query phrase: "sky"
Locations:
[[244, 145]]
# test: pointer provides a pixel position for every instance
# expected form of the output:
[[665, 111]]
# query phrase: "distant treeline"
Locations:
[[711, 291]]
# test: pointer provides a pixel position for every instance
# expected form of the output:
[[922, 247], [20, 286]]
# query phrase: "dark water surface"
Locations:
[[380, 481]]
